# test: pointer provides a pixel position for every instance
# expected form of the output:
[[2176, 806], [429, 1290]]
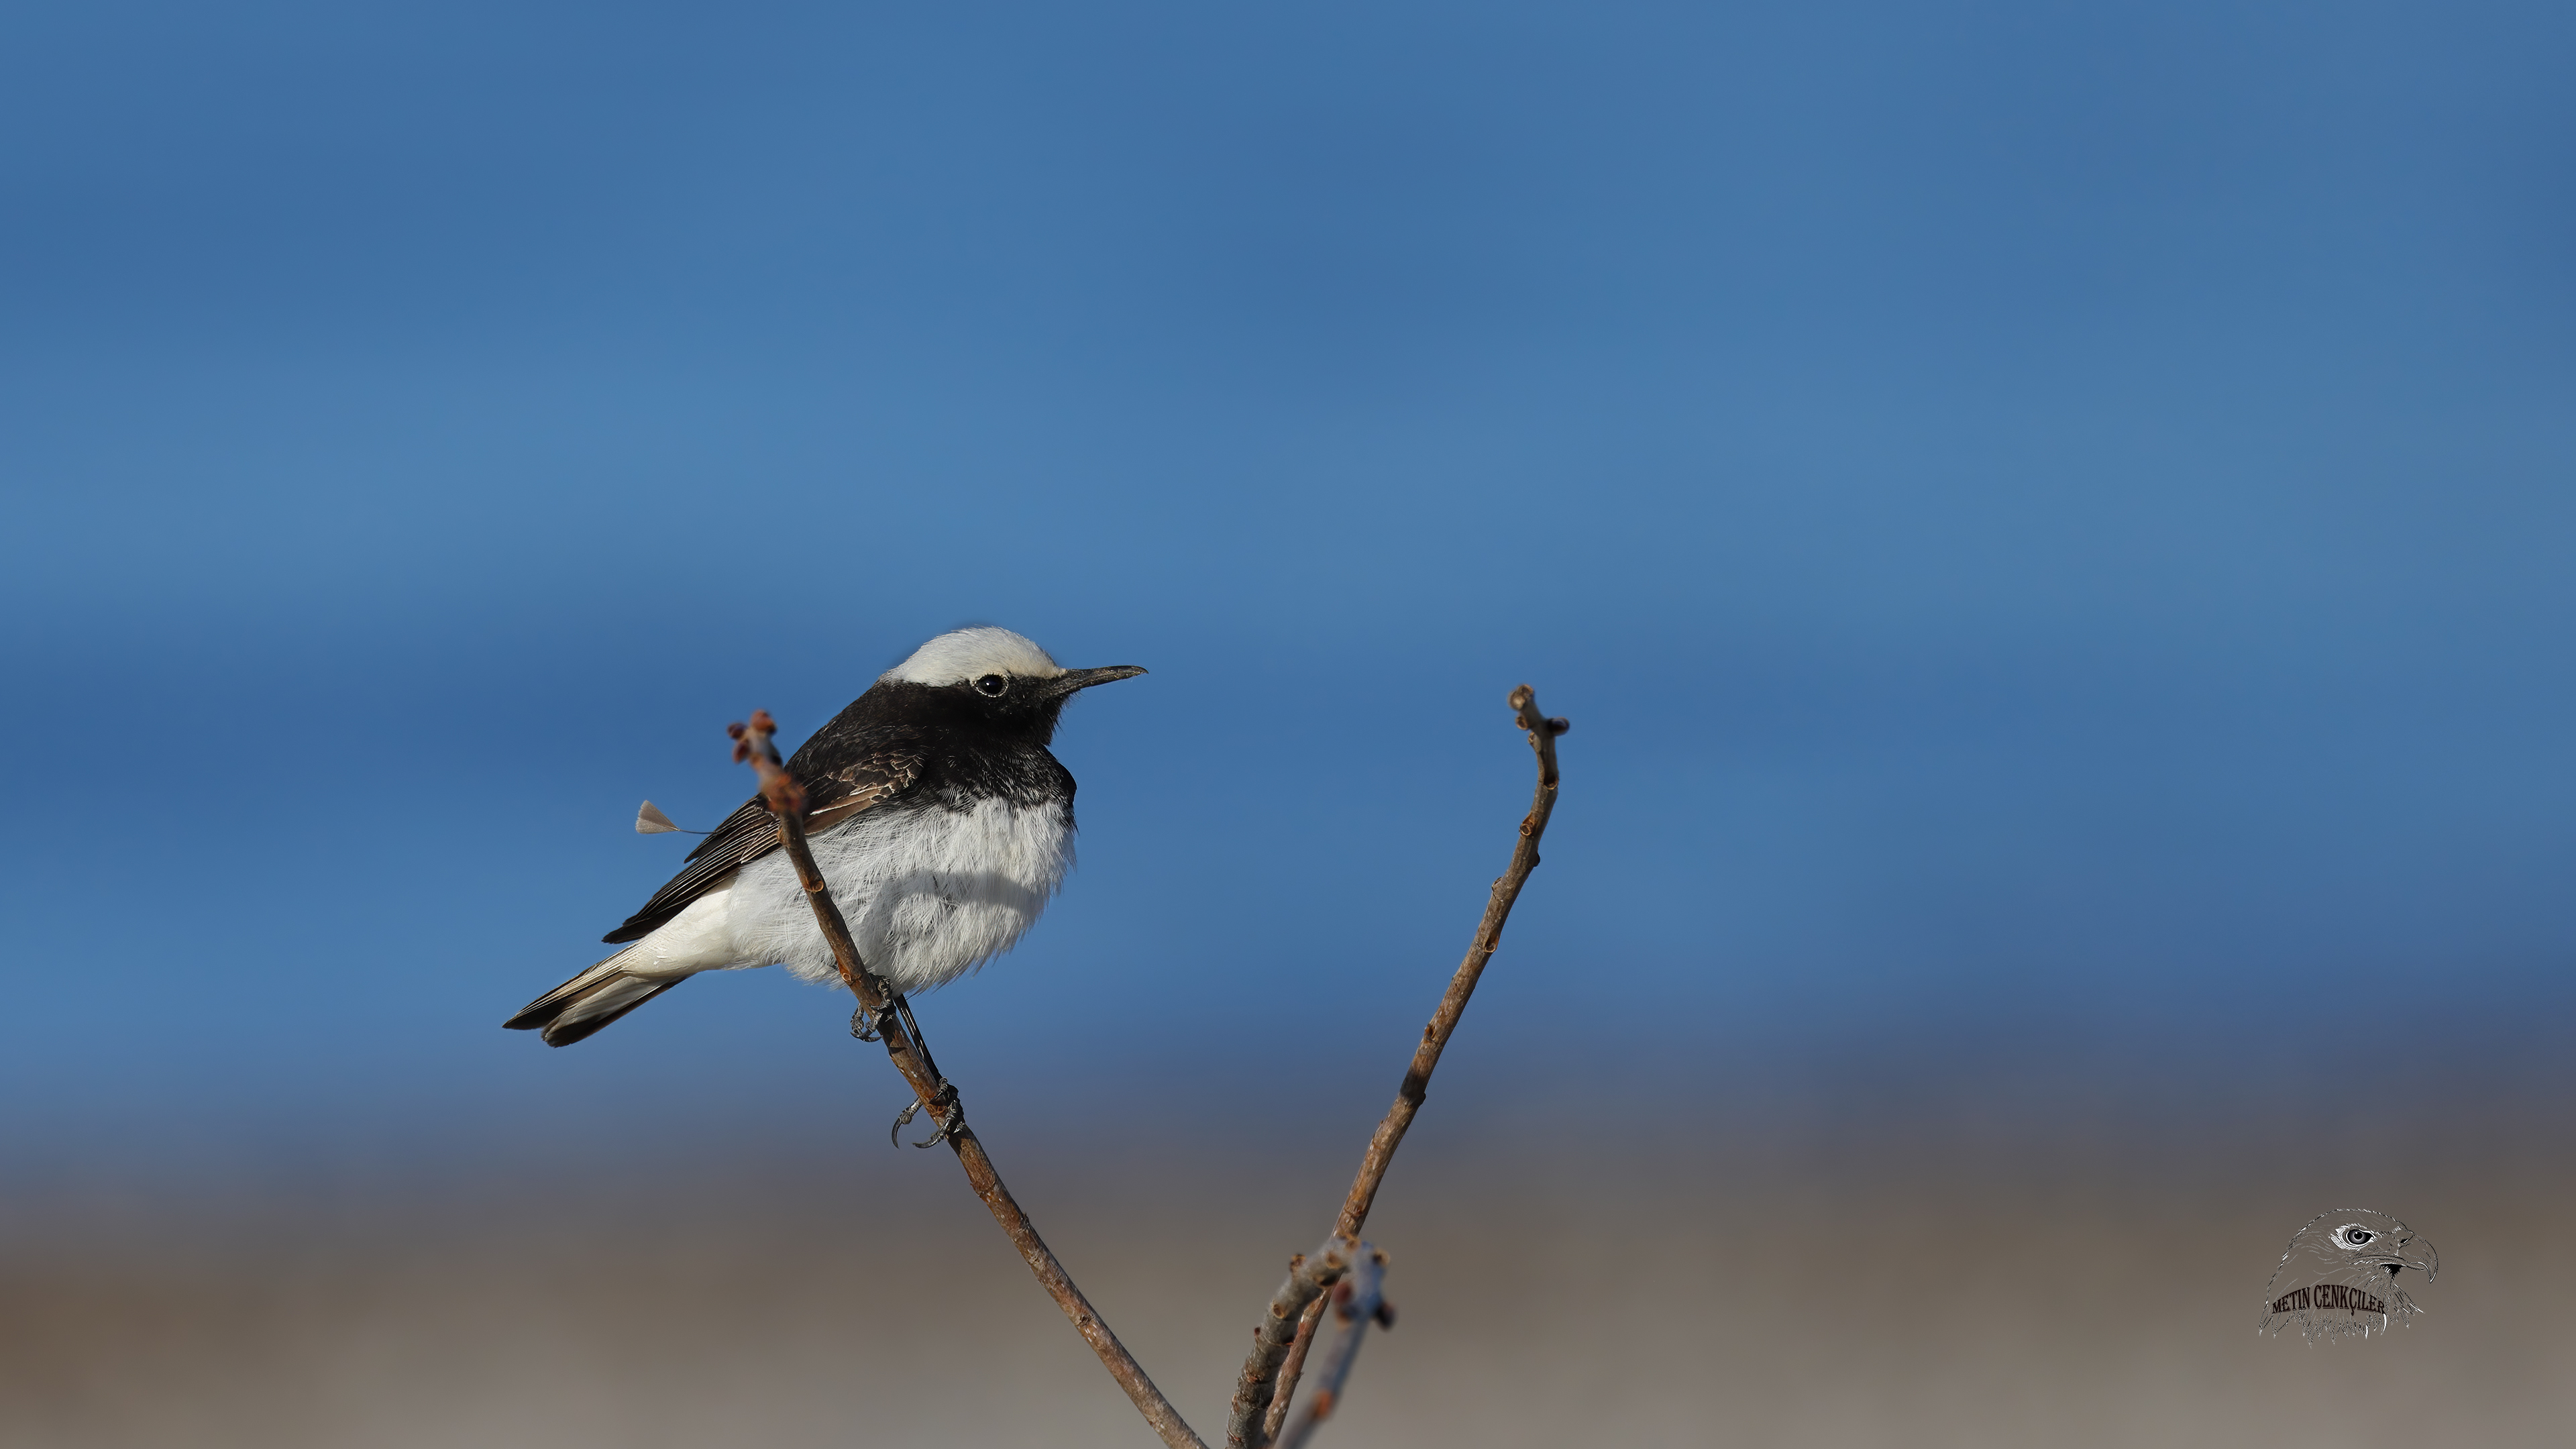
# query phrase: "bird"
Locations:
[[940, 820], [2339, 1275]]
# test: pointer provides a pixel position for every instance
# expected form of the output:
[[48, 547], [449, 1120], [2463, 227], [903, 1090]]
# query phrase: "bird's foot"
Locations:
[[863, 1024], [943, 1110]]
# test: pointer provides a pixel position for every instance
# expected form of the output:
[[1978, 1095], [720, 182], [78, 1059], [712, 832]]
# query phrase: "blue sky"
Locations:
[[2051, 522]]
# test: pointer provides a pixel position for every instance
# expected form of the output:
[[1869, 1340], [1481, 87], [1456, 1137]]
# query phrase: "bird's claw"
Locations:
[[946, 1115], [862, 1025], [944, 1111]]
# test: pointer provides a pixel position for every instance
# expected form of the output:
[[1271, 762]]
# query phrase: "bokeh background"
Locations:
[[2052, 524]]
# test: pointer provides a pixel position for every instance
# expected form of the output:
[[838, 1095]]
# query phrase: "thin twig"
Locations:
[[1359, 1300], [1290, 1368], [912, 1058], [1251, 1422]]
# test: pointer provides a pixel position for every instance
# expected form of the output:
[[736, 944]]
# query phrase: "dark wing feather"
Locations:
[[752, 832], [860, 785], [747, 834]]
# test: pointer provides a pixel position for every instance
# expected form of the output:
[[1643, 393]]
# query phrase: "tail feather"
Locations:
[[588, 1002]]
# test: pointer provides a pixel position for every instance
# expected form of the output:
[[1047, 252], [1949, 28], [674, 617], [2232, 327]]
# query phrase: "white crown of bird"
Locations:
[[964, 654]]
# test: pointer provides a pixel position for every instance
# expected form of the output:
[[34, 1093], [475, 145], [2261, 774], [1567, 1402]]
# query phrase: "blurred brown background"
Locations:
[[1707, 1281]]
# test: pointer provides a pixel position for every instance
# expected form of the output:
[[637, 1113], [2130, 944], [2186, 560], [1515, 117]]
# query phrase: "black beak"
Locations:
[[1074, 679]]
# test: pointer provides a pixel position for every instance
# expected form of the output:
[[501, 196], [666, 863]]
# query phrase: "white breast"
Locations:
[[930, 893]]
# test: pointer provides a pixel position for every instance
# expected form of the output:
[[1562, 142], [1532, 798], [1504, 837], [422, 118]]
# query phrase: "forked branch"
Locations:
[[1270, 1373], [1359, 1300]]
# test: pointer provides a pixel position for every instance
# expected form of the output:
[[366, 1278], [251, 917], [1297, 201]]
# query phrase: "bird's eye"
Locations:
[[2354, 1237], [991, 686]]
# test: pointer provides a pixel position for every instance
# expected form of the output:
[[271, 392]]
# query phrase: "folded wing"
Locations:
[[831, 796]]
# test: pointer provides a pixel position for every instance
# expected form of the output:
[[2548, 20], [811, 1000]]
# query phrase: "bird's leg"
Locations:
[[900, 1006], [943, 1100], [943, 1103]]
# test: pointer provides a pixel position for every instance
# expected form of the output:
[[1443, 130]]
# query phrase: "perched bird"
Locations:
[[940, 821], [2339, 1275]]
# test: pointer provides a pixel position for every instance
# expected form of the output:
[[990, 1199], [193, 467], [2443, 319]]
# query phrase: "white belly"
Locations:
[[929, 893]]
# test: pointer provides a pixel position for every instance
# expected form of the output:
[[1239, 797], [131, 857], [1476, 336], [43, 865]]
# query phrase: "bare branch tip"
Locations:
[[1524, 703]]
